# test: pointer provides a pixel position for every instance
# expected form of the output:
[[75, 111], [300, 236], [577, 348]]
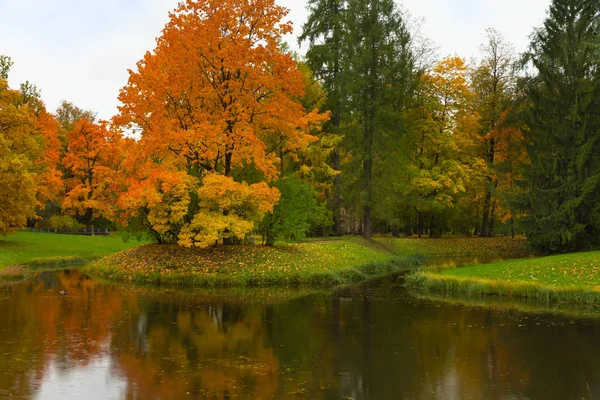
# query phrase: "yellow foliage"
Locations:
[[228, 210]]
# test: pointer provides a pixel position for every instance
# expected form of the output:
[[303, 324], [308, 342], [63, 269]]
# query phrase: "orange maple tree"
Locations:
[[49, 181], [216, 96], [93, 161]]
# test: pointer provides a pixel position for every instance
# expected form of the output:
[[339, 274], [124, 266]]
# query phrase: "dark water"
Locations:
[[374, 342]]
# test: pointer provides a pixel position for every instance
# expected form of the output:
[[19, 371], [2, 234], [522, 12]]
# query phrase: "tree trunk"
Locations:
[[512, 228], [228, 155], [337, 198], [486, 211], [88, 217], [369, 137], [492, 218], [432, 226]]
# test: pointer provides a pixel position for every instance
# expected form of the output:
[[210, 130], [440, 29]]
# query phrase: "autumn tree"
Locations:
[[49, 181], [28, 139], [93, 161], [67, 114], [19, 151], [445, 167], [314, 165], [494, 82], [511, 161], [216, 98]]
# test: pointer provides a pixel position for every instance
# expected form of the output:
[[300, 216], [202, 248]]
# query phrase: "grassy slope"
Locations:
[[569, 277], [484, 249], [26, 248], [314, 262]]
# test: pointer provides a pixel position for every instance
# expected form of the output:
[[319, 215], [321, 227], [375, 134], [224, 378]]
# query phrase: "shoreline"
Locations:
[[317, 264], [570, 278]]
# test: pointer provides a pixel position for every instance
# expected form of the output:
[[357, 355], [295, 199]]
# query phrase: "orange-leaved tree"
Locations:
[[49, 180], [93, 160], [29, 147], [217, 98]]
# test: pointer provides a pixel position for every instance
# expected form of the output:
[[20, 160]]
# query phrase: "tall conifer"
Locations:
[[564, 130]]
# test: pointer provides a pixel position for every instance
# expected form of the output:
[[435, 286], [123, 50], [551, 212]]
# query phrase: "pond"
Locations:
[[376, 341]]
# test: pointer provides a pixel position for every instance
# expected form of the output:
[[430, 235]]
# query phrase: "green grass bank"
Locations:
[[458, 248], [572, 278], [318, 263], [313, 262], [23, 250]]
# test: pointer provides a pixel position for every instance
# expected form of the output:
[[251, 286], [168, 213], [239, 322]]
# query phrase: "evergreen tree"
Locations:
[[325, 31], [563, 132], [380, 62]]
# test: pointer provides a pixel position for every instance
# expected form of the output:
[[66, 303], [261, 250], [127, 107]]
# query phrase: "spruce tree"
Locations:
[[380, 63], [325, 32], [563, 135]]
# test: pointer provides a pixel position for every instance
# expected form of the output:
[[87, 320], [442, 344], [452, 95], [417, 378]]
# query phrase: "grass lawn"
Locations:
[[313, 262], [28, 248], [485, 249], [570, 277], [325, 262]]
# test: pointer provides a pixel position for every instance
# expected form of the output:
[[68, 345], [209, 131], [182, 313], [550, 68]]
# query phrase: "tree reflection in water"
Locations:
[[360, 343]]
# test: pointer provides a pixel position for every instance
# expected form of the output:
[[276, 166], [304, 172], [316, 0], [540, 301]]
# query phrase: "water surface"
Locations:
[[101, 341]]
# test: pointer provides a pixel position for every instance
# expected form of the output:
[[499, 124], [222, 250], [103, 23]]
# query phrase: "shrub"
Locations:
[[64, 223], [295, 214]]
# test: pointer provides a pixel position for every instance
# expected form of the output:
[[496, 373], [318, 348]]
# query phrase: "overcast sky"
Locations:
[[80, 50]]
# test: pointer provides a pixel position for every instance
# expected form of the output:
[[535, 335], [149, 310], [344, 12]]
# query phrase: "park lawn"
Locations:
[[459, 246], [29, 248], [324, 262], [568, 277]]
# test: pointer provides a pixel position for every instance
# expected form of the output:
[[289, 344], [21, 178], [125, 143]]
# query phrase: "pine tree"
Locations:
[[563, 132], [380, 61], [325, 31]]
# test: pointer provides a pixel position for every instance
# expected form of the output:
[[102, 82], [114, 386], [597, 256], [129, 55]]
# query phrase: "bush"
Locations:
[[295, 215], [64, 223]]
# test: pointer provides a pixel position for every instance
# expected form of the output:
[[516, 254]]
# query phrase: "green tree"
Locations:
[[380, 61], [563, 133], [325, 32], [295, 214], [6, 64]]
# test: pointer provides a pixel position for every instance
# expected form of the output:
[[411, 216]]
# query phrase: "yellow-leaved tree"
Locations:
[[29, 147]]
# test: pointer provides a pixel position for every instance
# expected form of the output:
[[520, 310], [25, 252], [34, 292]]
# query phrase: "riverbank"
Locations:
[[571, 278], [319, 263], [315, 262], [23, 250]]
